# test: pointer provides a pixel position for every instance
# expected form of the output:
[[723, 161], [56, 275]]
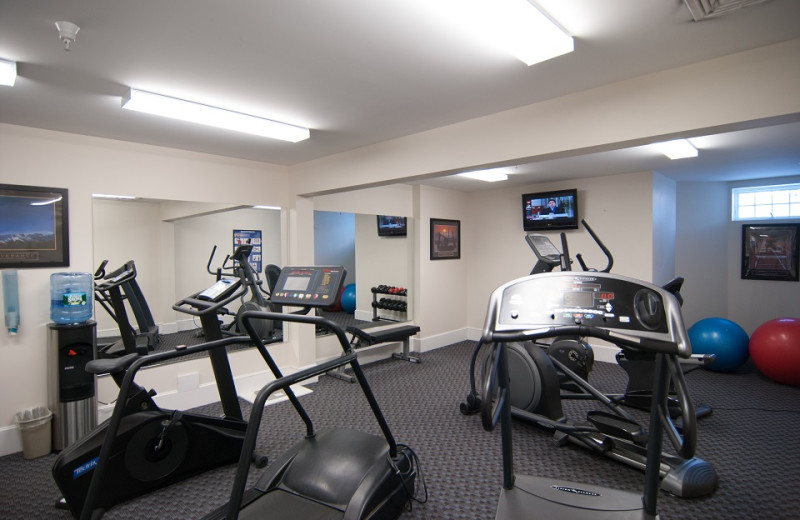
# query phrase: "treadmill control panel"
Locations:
[[592, 299], [308, 286]]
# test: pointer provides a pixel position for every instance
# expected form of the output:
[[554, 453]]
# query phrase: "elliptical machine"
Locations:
[[259, 298], [545, 374], [144, 447], [546, 306]]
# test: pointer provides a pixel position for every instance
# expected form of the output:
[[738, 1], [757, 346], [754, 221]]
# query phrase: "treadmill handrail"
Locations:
[[347, 349], [251, 434]]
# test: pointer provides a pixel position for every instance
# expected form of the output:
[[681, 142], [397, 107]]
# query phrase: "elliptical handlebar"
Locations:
[[602, 247]]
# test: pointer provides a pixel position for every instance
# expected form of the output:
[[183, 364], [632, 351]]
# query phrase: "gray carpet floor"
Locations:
[[752, 439]]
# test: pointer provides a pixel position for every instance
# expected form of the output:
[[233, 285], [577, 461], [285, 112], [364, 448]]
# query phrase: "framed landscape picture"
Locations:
[[34, 228]]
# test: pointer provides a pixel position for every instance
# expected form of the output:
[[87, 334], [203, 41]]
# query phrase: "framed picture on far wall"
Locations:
[[34, 228], [770, 252], [445, 239]]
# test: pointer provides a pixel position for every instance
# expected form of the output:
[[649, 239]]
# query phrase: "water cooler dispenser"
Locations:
[[72, 393]]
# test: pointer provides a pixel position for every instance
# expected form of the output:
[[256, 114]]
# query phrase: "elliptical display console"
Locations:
[[592, 299]]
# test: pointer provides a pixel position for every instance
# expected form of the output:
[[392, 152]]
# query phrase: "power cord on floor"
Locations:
[[413, 461]]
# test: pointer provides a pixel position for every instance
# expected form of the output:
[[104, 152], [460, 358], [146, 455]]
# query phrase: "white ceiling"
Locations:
[[358, 72]]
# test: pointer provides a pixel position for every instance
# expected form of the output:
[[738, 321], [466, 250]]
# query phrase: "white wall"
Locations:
[[701, 249], [708, 255], [618, 208], [441, 287], [380, 261], [86, 165], [752, 302]]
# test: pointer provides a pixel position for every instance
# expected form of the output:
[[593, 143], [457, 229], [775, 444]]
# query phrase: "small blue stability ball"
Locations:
[[724, 338], [349, 298]]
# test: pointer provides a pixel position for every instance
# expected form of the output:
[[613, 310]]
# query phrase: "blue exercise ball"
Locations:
[[348, 298], [723, 338]]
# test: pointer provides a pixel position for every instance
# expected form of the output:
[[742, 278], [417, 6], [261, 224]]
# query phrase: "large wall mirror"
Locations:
[[372, 260], [170, 243]]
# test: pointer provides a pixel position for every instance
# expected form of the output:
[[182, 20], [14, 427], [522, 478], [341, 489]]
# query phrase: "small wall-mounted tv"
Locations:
[[550, 210], [389, 226]]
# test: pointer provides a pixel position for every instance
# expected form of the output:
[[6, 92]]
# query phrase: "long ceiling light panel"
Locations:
[[518, 27], [8, 72], [175, 108]]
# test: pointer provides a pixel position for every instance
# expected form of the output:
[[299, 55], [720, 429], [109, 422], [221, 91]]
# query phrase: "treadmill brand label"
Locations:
[[83, 468], [576, 491]]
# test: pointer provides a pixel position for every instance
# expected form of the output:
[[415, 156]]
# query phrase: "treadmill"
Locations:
[[635, 314], [333, 474]]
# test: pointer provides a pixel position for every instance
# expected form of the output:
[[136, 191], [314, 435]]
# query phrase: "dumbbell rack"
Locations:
[[397, 302]]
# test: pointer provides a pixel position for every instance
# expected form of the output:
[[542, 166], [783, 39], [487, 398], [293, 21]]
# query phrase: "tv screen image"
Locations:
[[550, 210], [391, 226]]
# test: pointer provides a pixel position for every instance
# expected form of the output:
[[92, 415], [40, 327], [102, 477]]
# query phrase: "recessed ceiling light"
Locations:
[[8, 72], [491, 175], [677, 149]]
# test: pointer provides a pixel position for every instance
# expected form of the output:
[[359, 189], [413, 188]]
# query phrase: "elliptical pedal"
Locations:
[[619, 427]]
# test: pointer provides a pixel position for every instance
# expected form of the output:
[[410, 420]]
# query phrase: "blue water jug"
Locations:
[[71, 297]]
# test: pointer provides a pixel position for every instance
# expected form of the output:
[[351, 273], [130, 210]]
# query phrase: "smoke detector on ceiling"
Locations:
[[67, 31], [702, 9]]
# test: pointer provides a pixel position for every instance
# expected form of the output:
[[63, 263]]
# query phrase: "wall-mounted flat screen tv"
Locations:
[[550, 210], [389, 226]]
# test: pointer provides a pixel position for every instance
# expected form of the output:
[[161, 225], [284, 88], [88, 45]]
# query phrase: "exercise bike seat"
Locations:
[[100, 367]]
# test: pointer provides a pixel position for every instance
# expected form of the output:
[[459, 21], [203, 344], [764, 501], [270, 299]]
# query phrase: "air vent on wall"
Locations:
[[702, 9]]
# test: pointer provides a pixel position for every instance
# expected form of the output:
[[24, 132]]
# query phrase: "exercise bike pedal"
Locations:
[[619, 427]]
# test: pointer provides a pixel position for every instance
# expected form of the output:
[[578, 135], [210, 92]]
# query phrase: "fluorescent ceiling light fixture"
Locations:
[[518, 27], [116, 197], [267, 207], [175, 108], [493, 175], [677, 149], [8, 72]]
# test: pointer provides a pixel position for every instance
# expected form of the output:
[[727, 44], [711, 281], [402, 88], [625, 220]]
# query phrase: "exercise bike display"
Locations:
[[112, 291], [603, 306], [330, 474], [143, 447]]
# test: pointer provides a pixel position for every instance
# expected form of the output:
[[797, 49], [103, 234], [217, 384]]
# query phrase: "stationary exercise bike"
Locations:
[[549, 305], [144, 447]]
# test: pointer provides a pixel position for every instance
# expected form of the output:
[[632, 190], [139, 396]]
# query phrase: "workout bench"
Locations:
[[362, 338]]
